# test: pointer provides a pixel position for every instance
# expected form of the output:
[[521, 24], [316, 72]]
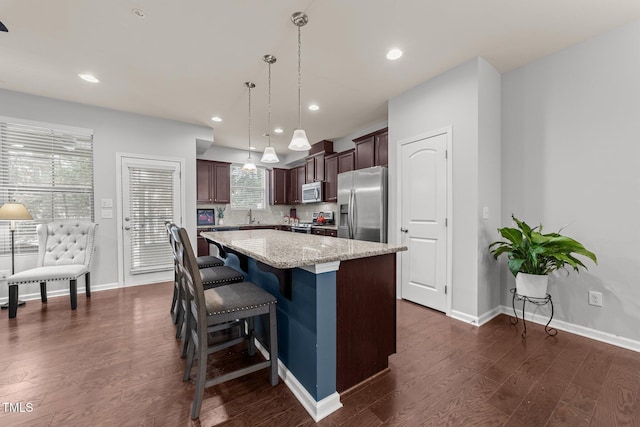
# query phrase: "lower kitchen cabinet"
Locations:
[[203, 246]]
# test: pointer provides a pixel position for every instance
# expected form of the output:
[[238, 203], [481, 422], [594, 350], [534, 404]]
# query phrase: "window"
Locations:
[[48, 170], [248, 189]]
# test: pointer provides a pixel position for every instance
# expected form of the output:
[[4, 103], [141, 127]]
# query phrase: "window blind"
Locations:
[[151, 193], [48, 170], [248, 189]]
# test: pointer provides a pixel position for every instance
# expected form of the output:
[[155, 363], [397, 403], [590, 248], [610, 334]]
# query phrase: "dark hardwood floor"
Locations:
[[115, 362]]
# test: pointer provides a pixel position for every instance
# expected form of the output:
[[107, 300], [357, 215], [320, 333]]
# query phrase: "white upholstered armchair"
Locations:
[[65, 252]]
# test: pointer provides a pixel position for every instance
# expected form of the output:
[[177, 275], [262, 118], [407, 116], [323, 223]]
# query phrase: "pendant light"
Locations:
[[269, 155], [249, 164], [299, 141]]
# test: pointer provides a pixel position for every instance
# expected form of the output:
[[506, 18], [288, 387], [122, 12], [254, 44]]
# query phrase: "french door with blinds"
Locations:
[[150, 196]]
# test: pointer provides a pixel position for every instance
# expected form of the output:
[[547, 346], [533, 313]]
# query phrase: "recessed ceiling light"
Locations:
[[313, 107], [216, 119], [138, 12], [394, 54], [278, 130], [252, 148], [88, 78]]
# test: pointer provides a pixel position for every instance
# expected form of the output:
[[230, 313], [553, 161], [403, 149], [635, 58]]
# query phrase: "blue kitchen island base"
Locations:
[[336, 307]]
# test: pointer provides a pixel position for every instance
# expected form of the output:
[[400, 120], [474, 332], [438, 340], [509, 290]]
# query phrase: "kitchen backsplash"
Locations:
[[270, 215]]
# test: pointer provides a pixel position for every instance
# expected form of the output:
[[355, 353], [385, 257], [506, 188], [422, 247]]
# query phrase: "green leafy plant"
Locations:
[[530, 251]]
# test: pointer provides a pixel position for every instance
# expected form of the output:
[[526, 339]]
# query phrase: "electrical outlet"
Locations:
[[595, 298]]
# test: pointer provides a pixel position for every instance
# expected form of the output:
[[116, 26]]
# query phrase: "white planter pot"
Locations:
[[532, 285]]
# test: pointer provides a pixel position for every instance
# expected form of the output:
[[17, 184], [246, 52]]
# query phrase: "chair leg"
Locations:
[[189, 362], [43, 292], [73, 293], [13, 301], [87, 285], [251, 345], [201, 379], [175, 295], [273, 344]]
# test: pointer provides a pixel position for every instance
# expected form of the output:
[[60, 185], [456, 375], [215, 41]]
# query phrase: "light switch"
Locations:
[[107, 213], [107, 203], [485, 212]]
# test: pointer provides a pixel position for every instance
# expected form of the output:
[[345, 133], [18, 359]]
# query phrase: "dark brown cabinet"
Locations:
[[372, 149], [203, 246], [297, 177], [213, 182], [346, 161], [315, 168], [324, 232], [331, 178], [278, 186]]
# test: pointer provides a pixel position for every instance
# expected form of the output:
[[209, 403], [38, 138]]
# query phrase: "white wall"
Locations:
[[114, 131], [570, 150], [450, 99], [489, 184]]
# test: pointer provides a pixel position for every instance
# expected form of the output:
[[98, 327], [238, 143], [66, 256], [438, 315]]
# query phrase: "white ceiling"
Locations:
[[188, 60]]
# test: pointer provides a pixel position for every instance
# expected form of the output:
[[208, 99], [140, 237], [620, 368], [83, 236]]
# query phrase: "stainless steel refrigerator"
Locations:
[[362, 204]]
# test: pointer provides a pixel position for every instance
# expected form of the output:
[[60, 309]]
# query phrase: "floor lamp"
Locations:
[[13, 212]]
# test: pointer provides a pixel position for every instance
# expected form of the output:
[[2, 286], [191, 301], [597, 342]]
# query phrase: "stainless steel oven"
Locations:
[[301, 228]]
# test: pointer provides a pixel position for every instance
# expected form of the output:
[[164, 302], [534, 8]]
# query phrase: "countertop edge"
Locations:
[[296, 264]]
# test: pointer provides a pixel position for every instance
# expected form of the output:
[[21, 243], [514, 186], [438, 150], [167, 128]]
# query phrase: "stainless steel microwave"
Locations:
[[312, 192]]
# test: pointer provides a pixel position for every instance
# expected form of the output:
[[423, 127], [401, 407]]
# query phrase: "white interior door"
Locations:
[[150, 196], [424, 220]]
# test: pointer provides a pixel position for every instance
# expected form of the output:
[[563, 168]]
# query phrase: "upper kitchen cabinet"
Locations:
[[213, 182], [297, 177], [372, 149], [315, 161], [346, 161], [278, 186], [315, 168], [331, 178]]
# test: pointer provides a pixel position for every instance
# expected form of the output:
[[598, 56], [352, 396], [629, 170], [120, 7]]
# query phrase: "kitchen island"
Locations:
[[336, 306]]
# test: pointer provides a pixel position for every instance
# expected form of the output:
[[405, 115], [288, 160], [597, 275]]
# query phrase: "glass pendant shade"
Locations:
[[299, 142], [269, 156], [249, 165]]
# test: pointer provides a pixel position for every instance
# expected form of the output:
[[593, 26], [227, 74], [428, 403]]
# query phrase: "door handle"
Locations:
[[404, 230], [127, 228]]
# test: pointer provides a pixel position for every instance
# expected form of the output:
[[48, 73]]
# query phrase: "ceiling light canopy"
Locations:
[[394, 54], [269, 155], [249, 164], [88, 78], [299, 141]]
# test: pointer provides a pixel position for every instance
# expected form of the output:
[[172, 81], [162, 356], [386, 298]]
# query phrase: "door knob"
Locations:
[[127, 228], [404, 230]]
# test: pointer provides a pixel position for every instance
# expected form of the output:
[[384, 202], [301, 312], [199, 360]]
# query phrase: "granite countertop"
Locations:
[[283, 249]]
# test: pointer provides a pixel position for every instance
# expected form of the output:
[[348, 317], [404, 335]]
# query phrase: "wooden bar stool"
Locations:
[[216, 308]]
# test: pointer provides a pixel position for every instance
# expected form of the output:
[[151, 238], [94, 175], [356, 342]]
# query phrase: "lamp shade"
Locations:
[[249, 165], [269, 156], [14, 212], [299, 142]]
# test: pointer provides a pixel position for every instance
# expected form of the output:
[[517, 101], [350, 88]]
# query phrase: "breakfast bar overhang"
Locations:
[[336, 307]]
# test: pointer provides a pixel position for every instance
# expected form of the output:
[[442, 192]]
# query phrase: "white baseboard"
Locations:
[[317, 410], [558, 324], [577, 329], [486, 317], [464, 317], [62, 292]]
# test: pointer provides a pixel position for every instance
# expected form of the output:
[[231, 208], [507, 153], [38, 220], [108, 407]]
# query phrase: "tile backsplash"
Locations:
[[271, 214]]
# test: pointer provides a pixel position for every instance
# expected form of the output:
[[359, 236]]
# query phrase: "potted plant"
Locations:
[[533, 255]]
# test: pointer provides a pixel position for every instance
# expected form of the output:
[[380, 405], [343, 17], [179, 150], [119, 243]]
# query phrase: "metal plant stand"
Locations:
[[536, 301]]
